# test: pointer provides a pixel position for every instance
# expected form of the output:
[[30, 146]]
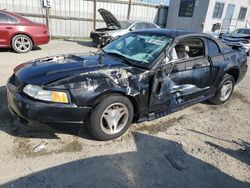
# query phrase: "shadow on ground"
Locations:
[[156, 163], [13, 127], [36, 48], [242, 154], [87, 43]]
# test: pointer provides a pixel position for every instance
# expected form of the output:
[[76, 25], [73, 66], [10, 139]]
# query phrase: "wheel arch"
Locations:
[[234, 72]]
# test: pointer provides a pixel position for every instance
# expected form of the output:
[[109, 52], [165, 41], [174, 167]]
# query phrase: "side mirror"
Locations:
[[132, 29]]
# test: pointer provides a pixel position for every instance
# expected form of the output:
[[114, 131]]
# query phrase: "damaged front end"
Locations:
[[78, 79], [101, 37]]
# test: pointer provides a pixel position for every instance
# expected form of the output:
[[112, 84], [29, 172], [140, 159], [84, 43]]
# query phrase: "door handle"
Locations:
[[197, 66], [9, 27]]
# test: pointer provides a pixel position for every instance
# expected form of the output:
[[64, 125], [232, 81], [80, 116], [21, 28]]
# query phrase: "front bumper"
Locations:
[[42, 114], [100, 39]]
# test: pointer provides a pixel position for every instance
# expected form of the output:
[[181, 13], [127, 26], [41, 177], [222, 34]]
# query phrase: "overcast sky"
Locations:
[[166, 2]]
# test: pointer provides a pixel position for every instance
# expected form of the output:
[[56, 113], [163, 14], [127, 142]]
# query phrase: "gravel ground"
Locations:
[[201, 146]]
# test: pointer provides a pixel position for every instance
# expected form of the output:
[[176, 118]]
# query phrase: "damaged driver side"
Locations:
[[184, 75]]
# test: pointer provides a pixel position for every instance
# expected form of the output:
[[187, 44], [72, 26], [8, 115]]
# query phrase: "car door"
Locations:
[[7, 27], [183, 78], [216, 57]]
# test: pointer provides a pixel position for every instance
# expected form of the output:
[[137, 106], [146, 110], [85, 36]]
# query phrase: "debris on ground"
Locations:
[[40, 147]]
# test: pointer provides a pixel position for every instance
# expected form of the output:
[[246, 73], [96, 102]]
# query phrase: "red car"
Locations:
[[20, 33]]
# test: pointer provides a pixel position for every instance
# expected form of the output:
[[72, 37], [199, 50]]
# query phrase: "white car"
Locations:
[[116, 29]]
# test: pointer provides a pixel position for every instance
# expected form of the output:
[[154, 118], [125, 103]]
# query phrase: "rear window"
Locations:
[[149, 26]]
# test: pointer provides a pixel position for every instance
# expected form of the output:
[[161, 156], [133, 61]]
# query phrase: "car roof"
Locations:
[[169, 32], [137, 21], [7, 12]]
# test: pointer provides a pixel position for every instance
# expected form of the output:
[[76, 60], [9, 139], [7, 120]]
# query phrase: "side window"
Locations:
[[3, 18], [212, 48], [149, 25], [139, 26], [7, 19], [190, 48]]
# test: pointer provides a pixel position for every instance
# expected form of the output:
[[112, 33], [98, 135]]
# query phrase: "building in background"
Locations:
[[209, 15]]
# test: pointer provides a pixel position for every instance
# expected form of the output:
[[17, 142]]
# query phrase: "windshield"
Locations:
[[242, 31], [125, 24], [139, 49]]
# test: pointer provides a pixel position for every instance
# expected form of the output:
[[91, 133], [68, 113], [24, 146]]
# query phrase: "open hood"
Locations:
[[109, 18]]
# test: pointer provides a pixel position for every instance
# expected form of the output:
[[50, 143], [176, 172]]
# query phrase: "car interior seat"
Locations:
[[182, 51]]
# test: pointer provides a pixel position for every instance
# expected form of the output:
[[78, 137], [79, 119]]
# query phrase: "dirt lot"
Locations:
[[201, 146]]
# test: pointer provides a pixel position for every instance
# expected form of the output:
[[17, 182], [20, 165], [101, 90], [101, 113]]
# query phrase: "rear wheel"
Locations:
[[224, 91], [22, 43], [111, 117]]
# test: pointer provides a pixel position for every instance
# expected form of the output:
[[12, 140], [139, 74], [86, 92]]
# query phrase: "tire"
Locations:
[[248, 53], [228, 84], [22, 43], [105, 115]]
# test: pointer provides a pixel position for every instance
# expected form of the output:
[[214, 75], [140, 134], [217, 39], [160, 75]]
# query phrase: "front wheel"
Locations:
[[111, 117], [224, 91]]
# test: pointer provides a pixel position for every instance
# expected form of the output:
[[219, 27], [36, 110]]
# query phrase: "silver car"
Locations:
[[116, 29]]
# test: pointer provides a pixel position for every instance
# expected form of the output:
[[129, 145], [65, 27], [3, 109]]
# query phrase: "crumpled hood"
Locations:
[[236, 37], [46, 70]]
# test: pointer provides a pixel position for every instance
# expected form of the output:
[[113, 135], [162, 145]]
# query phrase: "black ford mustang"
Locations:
[[141, 76]]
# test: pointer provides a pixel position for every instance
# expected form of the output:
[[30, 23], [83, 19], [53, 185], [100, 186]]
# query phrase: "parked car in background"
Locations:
[[239, 38], [116, 29], [141, 76], [19, 33]]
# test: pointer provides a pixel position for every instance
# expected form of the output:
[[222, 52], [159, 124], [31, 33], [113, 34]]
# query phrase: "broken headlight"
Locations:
[[37, 92]]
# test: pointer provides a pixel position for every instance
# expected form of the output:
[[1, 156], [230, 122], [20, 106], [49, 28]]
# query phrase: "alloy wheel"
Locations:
[[22, 44], [114, 118], [226, 90]]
